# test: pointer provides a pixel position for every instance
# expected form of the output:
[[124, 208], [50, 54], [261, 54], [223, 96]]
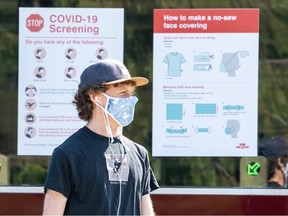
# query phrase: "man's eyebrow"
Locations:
[[128, 82]]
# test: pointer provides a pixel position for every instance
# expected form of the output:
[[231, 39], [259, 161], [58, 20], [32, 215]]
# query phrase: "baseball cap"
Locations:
[[106, 72], [274, 147]]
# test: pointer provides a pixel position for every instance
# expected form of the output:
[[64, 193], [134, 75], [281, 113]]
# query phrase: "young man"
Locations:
[[276, 152], [98, 170]]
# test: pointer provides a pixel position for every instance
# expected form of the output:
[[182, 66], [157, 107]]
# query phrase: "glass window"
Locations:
[[138, 56]]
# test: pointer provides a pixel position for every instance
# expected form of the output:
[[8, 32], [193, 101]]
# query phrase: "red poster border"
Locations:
[[247, 20]]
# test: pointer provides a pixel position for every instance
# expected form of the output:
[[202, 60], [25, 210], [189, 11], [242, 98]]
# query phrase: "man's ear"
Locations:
[[97, 98], [281, 164], [92, 96]]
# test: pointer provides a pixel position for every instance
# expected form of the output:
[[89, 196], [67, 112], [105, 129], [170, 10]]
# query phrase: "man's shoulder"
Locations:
[[133, 145], [73, 140], [273, 184], [81, 140]]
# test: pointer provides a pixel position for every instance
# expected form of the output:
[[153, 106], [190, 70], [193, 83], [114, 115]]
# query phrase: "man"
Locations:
[[30, 91], [276, 152], [39, 54], [30, 132], [40, 72], [98, 170], [101, 54], [70, 72], [70, 54]]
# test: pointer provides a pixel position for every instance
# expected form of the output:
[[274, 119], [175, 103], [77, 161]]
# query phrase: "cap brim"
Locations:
[[139, 81]]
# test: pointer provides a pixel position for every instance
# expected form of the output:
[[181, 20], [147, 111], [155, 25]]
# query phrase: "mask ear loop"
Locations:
[[108, 128], [107, 124], [111, 140]]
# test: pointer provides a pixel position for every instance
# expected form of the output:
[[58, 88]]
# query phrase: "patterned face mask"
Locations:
[[121, 109]]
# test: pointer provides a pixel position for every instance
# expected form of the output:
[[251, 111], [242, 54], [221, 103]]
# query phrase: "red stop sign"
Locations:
[[34, 22]]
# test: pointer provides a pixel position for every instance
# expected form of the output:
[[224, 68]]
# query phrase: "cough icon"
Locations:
[[232, 128]]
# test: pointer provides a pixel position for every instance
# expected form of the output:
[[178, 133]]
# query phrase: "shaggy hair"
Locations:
[[83, 103]]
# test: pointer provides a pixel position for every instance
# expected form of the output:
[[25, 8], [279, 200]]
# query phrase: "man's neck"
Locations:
[[100, 126], [278, 177]]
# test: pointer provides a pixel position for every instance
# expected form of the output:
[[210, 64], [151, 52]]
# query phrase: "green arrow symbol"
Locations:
[[253, 168]]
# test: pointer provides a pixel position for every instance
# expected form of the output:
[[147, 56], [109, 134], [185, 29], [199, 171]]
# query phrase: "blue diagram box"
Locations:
[[202, 58], [174, 111], [206, 108]]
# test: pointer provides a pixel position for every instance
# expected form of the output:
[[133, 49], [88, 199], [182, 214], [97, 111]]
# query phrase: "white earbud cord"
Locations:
[[107, 124], [111, 140], [121, 170]]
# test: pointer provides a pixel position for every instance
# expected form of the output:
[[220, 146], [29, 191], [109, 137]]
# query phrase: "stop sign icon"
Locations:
[[34, 22]]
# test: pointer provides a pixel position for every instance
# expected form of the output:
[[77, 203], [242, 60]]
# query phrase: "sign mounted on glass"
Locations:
[[205, 82], [55, 46]]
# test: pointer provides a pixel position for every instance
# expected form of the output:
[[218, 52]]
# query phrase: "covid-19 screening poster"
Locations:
[[205, 82], [55, 46]]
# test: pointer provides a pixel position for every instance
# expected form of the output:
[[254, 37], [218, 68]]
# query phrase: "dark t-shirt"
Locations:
[[273, 184], [98, 178]]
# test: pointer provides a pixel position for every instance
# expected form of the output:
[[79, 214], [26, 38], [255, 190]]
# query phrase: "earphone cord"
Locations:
[[111, 140], [108, 128], [120, 188], [119, 176], [107, 124], [284, 178]]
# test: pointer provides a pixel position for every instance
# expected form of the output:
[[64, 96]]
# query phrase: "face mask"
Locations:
[[121, 109], [222, 68], [228, 130]]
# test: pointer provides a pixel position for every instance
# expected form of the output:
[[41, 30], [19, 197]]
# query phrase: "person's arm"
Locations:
[[54, 203], [146, 205]]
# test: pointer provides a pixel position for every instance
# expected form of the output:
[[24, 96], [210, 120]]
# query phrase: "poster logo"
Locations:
[[242, 146], [34, 22]]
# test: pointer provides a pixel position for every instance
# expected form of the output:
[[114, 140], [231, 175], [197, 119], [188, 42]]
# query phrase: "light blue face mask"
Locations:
[[121, 109], [228, 131]]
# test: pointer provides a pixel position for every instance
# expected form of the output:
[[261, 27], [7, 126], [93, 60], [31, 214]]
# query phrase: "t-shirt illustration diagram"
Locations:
[[174, 61]]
